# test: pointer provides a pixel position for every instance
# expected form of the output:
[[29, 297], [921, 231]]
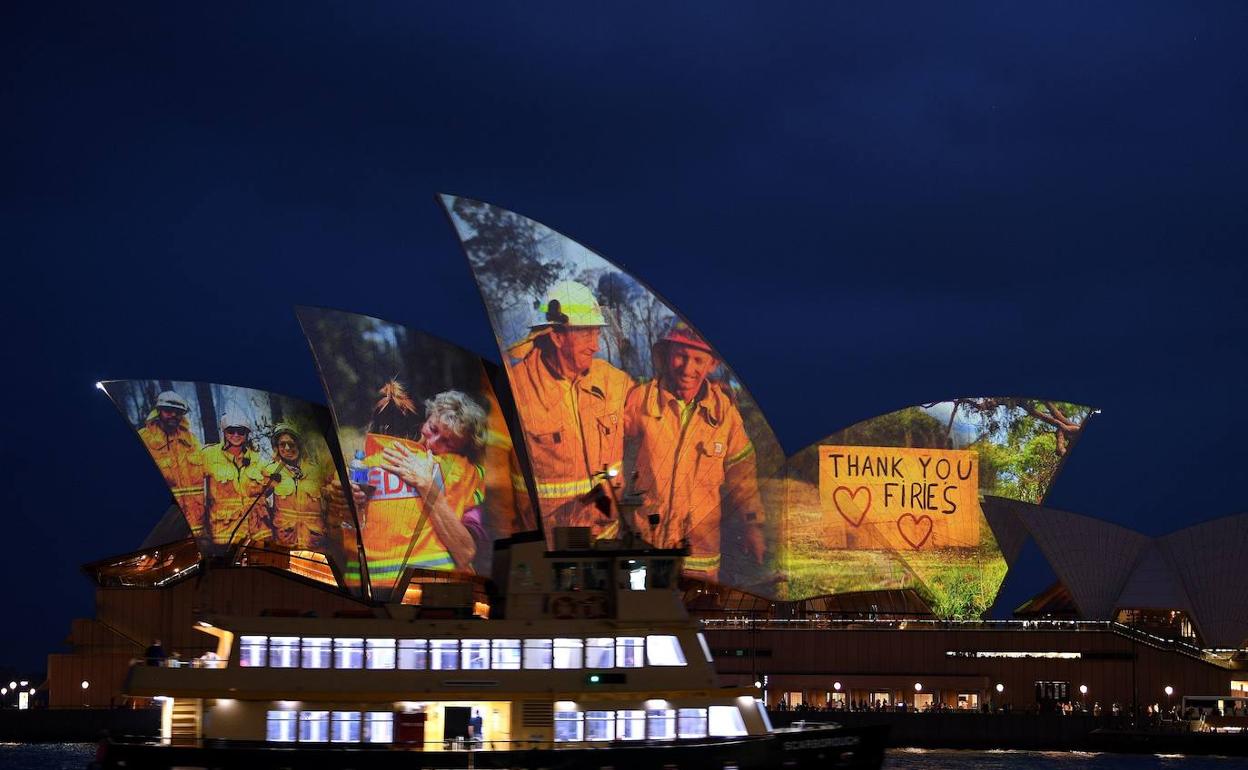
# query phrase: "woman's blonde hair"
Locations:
[[462, 416]]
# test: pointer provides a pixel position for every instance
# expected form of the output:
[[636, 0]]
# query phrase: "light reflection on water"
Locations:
[[75, 756], [1008, 759]]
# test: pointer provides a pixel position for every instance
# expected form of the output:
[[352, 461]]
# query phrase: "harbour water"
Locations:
[[76, 756]]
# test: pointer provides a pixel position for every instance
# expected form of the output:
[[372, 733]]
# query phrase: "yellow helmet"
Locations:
[[569, 303]]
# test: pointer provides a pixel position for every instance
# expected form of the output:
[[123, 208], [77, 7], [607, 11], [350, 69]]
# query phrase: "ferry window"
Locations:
[[506, 653], [379, 727], [706, 649], [280, 726], [476, 653], [314, 726], [664, 650], [568, 653], [727, 721], [537, 653], [413, 654], [316, 652], [691, 723], [630, 725], [444, 654], [379, 653], [345, 727], [600, 652], [661, 572], [567, 576], [661, 724], [567, 725], [632, 575], [348, 653], [629, 651], [597, 575], [253, 651], [284, 652], [599, 725]]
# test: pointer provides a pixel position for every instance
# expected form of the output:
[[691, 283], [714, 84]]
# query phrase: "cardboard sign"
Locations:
[[899, 498]]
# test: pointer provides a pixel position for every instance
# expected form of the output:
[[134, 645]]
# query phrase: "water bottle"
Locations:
[[358, 470]]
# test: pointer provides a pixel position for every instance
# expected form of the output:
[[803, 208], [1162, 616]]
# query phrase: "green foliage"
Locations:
[[505, 250]]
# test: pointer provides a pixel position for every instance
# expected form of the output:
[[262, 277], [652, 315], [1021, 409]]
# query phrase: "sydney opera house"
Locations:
[[858, 569]]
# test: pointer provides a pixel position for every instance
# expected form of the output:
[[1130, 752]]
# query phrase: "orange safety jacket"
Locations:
[[392, 542], [574, 433], [181, 462], [298, 518], [233, 485], [693, 462]]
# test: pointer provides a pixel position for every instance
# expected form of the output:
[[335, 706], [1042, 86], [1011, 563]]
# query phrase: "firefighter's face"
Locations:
[[288, 448], [169, 418], [439, 439], [236, 436], [576, 347], [687, 368]]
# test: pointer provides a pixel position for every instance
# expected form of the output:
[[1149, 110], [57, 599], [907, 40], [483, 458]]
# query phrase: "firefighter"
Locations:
[[694, 462], [168, 437], [422, 507], [296, 516], [234, 482], [570, 405]]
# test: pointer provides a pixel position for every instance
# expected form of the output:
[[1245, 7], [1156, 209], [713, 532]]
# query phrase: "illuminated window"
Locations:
[[253, 651], [444, 654], [599, 725], [568, 653], [316, 652], [379, 727], [348, 653], [476, 654], [691, 723], [506, 653], [413, 654], [345, 727], [379, 653], [706, 650], [630, 725], [280, 726], [600, 652], [567, 726], [284, 652], [537, 653], [726, 721], [630, 651], [664, 650], [632, 575], [660, 724], [314, 726]]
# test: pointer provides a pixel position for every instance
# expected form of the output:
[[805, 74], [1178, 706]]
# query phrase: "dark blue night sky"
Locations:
[[864, 206]]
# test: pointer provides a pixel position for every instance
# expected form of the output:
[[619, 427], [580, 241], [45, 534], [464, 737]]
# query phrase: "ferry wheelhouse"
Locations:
[[593, 662]]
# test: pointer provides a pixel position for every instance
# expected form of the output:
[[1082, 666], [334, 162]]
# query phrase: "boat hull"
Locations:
[[813, 747]]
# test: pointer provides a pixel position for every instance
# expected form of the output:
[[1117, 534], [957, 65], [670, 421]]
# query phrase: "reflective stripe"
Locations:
[[702, 563], [739, 456], [445, 562], [195, 490], [560, 489]]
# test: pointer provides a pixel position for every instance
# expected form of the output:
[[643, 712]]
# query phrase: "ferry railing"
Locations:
[[746, 622]]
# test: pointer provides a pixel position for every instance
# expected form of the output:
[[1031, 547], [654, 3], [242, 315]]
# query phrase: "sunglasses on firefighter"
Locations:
[[237, 431]]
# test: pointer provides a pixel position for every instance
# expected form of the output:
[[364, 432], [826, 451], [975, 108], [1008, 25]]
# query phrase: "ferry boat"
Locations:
[[589, 660]]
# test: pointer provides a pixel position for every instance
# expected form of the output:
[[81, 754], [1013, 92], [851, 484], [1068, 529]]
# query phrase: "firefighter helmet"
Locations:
[[684, 334], [171, 400], [235, 420], [569, 303]]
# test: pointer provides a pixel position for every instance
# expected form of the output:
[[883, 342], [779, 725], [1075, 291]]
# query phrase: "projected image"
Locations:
[[249, 469], [893, 501], [434, 477], [634, 426]]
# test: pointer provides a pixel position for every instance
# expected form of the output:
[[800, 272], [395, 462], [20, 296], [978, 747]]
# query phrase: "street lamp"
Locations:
[[85, 685], [1000, 688], [1169, 692]]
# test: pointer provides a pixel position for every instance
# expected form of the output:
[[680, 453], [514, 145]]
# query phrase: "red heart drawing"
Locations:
[[851, 502], [917, 521]]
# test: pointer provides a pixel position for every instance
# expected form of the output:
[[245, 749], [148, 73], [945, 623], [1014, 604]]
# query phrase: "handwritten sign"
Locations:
[[899, 498]]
